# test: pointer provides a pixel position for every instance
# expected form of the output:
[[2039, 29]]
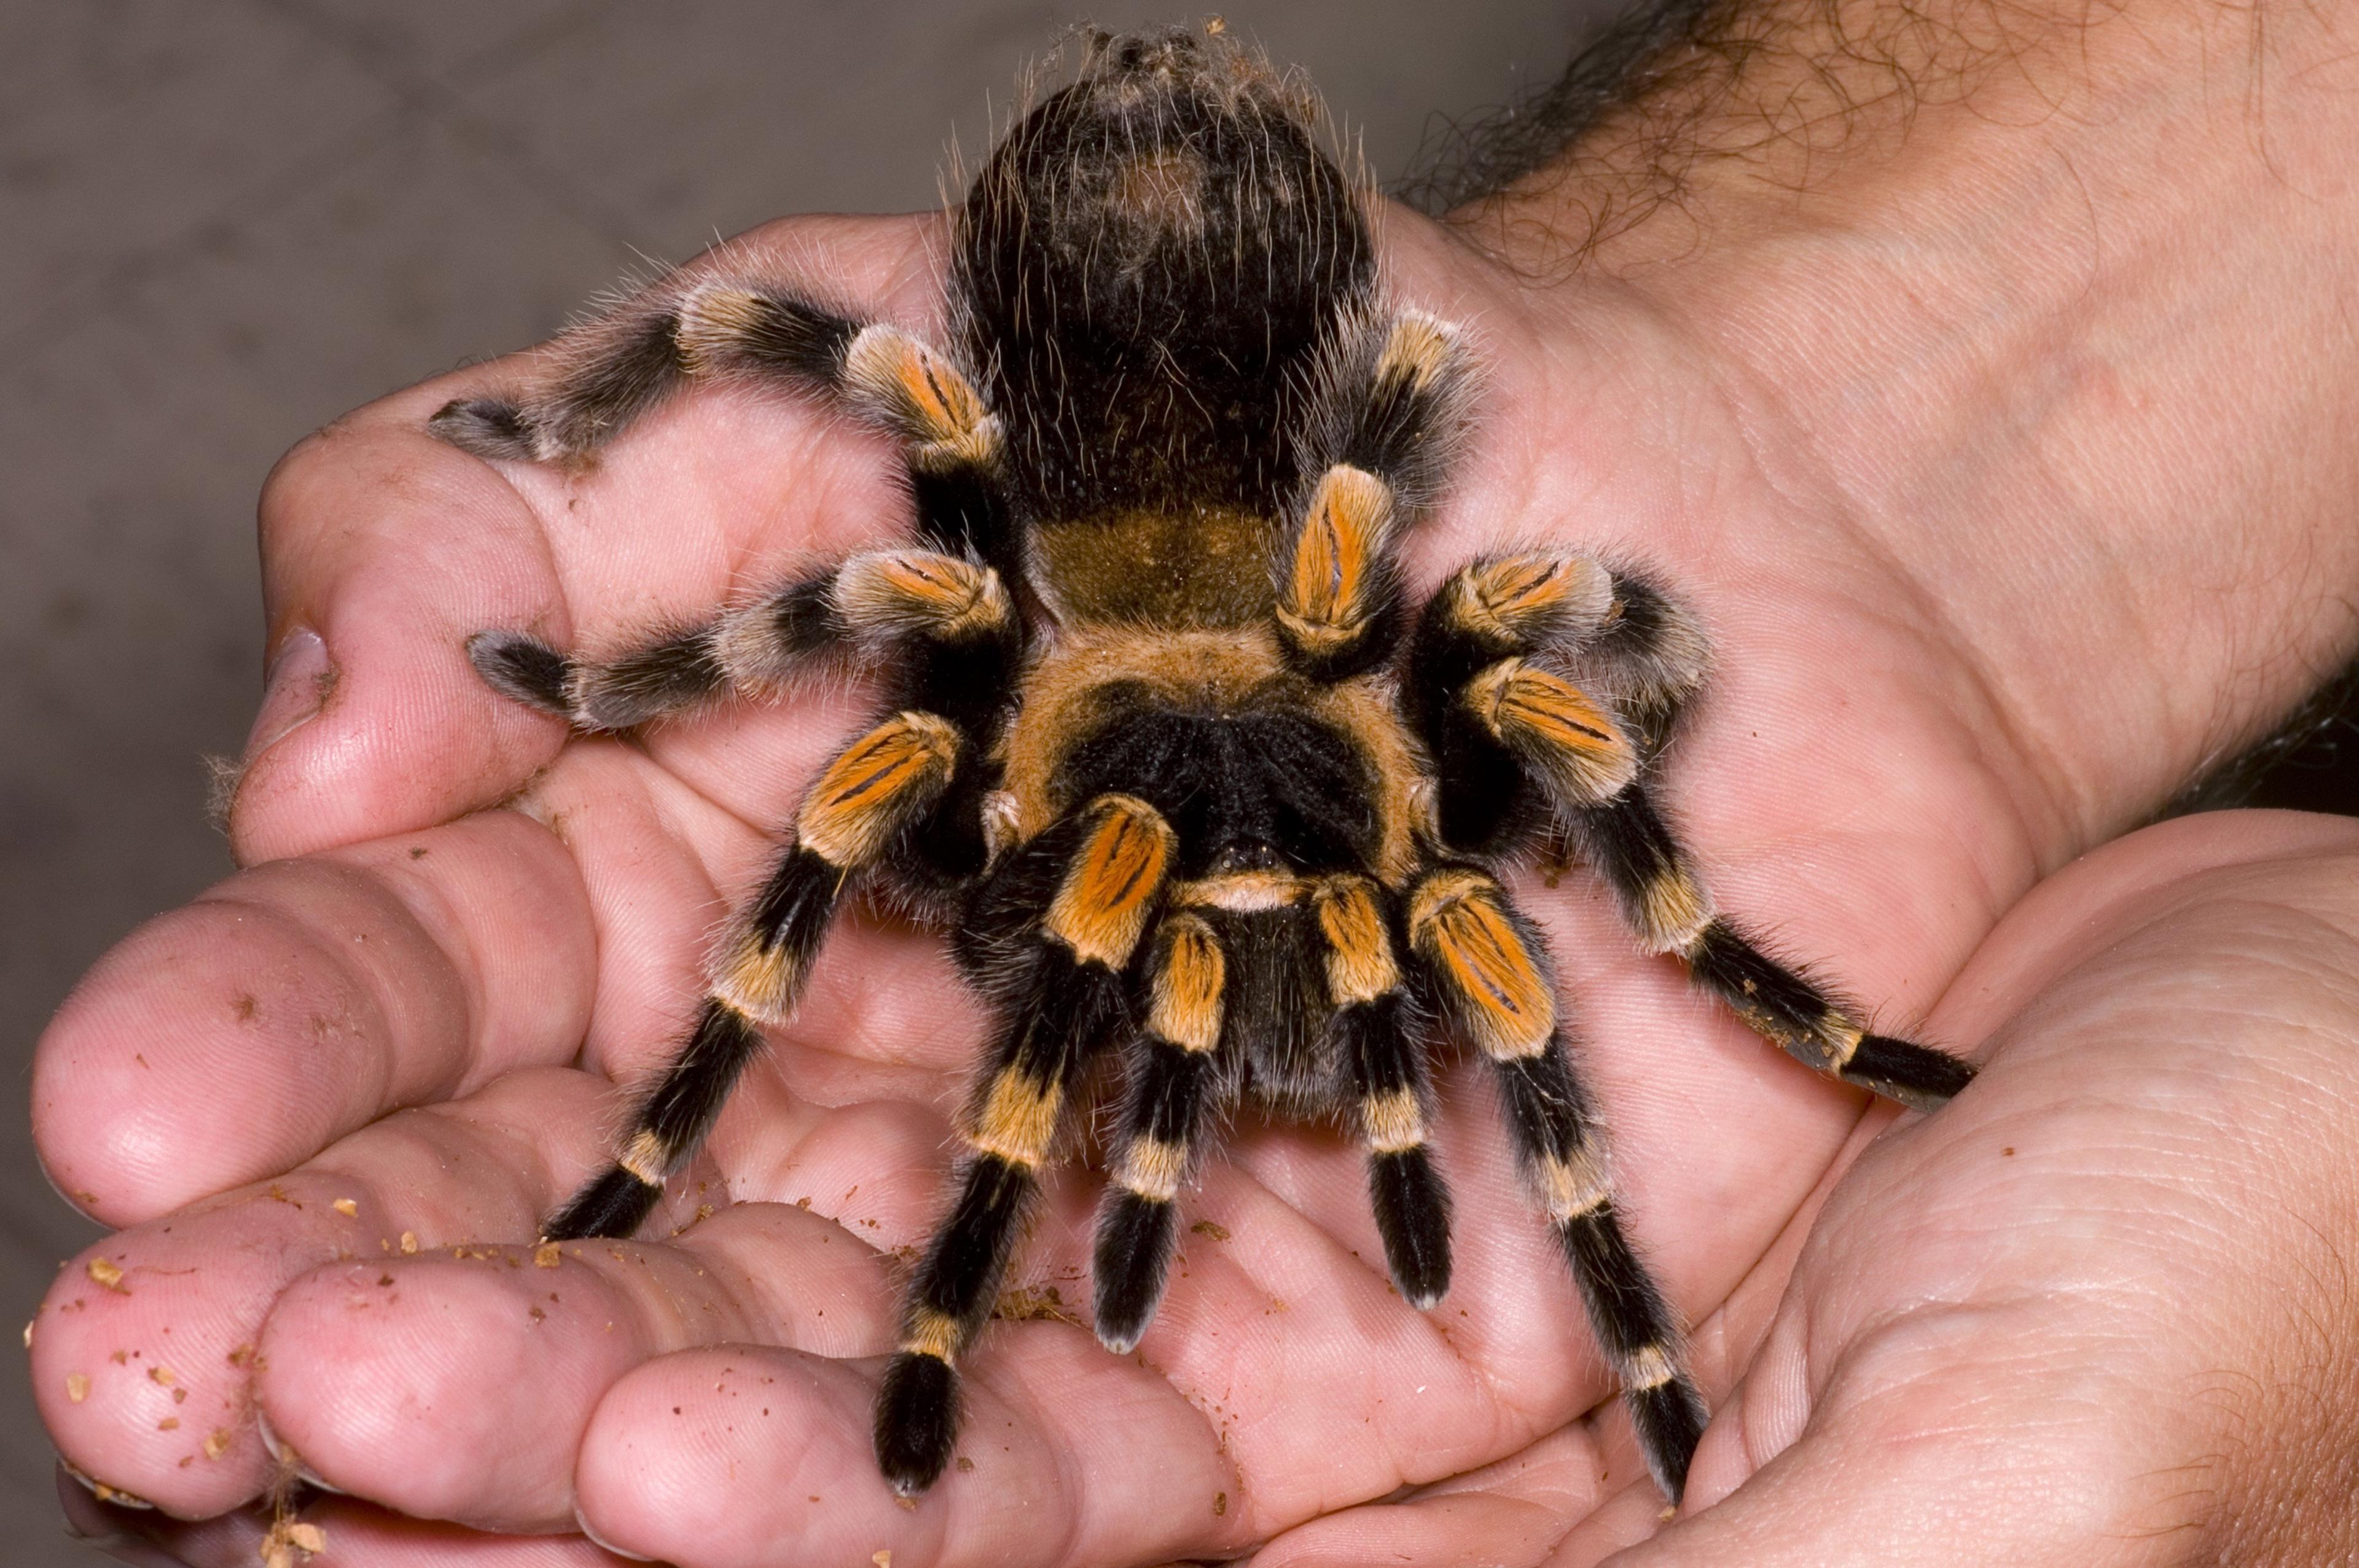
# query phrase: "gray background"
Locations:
[[222, 225]]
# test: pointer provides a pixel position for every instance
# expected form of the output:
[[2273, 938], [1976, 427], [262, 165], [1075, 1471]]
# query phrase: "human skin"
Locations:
[[1999, 449]]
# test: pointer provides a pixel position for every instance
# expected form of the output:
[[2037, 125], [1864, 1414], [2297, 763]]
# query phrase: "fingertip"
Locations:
[[784, 1429], [452, 1386], [141, 1381], [384, 551], [241, 1082]]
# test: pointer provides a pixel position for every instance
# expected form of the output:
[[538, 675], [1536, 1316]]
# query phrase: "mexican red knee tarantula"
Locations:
[[1193, 785]]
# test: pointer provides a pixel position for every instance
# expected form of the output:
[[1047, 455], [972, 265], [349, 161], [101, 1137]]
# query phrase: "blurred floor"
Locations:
[[225, 225]]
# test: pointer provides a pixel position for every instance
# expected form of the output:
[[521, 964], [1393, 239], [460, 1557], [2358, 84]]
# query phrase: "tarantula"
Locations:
[[1193, 789]]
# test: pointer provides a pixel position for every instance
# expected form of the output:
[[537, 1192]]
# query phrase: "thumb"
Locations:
[[1948, 1438]]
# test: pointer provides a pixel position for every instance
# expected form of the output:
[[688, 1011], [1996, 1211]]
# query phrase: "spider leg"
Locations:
[[1375, 1030], [1483, 963], [611, 371], [927, 605], [1065, 999], [1170, 1092], [862, 803], [1519, 746], [1389, 407]]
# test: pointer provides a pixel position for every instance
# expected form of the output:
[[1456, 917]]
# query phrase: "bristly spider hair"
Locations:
[[1200, 793]]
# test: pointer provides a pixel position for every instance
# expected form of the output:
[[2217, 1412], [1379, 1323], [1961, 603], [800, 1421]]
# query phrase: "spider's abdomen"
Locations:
[[1148, 267]]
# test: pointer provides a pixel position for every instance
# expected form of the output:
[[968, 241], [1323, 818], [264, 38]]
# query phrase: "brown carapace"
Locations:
[[1194, 786]]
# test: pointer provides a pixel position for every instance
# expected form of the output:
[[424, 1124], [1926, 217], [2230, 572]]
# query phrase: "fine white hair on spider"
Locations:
[[1194, 788]]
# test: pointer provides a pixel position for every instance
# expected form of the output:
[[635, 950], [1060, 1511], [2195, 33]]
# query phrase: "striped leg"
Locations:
[[1169, 1094], [875, 788], [1664, 902], [611, 371], [1390, 409], [927, 606], [1519, 746], [1483, 965], [1383, 1059], [1067, 1002]]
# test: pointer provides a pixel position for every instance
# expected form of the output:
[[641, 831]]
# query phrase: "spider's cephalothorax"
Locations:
[[1200, 793]]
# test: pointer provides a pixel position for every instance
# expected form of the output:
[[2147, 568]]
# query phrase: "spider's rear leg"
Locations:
[[1389, 408], [927, 605], [615, 368], [877, 789], [1104, 872], [1519, 746], [1482, 962], [1382, 1057], [612, 370]]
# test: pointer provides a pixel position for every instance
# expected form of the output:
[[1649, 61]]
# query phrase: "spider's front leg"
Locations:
[[1168, 1096], [1172, 1087], [1483, 966], [1516, 744], [1092, 884], [1375, 1030]]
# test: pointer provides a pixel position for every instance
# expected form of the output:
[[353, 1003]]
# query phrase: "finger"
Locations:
[[352, 1534], [232, 1039], [1976, 1449], [458, 1386], [384, 550], [1265, 1310], [1069, 1456], [1980, 1344], [1510, 1513], [144, 1350]]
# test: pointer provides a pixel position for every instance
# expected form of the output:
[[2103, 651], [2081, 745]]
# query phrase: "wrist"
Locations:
[[2064, 330]]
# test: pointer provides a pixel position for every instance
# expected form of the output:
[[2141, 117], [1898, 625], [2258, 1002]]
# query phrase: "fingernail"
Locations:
[[297, 686], [583, 1526], [288, 1460], [100, 1489]]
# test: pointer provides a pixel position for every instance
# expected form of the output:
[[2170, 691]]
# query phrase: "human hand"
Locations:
[[1610, 425], [315, 993], [2097, 1313]]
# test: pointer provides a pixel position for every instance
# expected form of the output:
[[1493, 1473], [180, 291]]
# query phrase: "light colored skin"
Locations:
[[2007, 464]]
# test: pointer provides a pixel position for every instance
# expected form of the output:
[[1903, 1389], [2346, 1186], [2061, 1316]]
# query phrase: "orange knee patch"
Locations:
[[923, 396], [1575, 1184], [647, 1158], [900, 591], [874, 785], [1102, 909], [1360, 966], [1458, 921], [1670, 910], [1557, 728], [1417, 353], [760, 981], [1518, 600], [714, 320], [1151, 1168], [1184, 1007], [931, 1333], [1331, 582]]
